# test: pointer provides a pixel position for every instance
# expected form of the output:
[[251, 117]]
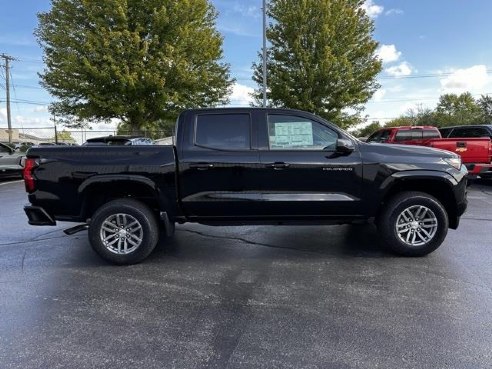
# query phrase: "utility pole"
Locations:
[[7, 59], [264, 55], [56, 130]]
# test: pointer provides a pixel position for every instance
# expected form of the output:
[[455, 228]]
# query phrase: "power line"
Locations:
[[28, 102]]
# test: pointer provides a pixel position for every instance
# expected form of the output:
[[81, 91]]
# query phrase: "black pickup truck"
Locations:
[[246, 166]]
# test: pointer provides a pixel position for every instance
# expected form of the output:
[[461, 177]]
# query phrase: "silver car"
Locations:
[[11, 162]]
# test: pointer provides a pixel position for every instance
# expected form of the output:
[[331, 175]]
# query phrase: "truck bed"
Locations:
[[69, 172]]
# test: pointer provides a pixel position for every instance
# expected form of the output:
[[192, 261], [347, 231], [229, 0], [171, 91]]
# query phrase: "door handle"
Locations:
[[278, 166], [201, 166]]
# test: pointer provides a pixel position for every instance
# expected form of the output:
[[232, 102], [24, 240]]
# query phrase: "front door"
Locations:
[[303, 176]]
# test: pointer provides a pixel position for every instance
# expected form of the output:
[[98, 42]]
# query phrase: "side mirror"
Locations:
[[345, 146]]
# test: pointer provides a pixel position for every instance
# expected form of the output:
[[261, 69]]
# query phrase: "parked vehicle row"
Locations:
[[475, 150], [247, 166]]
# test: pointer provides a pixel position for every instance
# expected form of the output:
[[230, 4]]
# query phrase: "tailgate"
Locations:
[[471, 150]]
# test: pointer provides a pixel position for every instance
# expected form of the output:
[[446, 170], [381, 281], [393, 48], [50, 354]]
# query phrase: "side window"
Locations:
[[431, 133], [223, 131], [445, 132], [375, 137], [380, 136], [385, 135], [472, 132], [287, 132]]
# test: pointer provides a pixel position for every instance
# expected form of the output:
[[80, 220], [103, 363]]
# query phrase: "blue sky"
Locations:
[[429, 47]]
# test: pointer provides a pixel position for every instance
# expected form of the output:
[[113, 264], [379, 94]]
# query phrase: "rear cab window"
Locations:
[[431, 133], [407, 135], [223, 131]]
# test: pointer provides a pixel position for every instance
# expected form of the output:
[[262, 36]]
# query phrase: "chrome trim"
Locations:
[[268, 196]]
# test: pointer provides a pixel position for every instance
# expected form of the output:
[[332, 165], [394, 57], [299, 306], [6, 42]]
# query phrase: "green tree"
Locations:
[[139, 61], [322, 58], [421, 116], [485, 106], [161, 129], [400, 122], [455, 109], [64, 136], [368, 130]]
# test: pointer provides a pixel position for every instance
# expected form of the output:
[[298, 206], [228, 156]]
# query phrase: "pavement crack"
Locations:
[[252, 242], [23, 259], [31, 241]]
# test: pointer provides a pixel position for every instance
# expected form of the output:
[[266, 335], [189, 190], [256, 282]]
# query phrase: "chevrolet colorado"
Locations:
[[246, 166]]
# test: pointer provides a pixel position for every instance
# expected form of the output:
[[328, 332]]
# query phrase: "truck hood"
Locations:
[[407, 150]]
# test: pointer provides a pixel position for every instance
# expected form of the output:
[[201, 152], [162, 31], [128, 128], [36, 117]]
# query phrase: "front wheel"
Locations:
[[413, 224], [123, 231]]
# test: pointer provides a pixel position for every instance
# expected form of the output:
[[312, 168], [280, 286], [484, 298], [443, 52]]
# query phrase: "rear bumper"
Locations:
[[480, 170], [38, 216]]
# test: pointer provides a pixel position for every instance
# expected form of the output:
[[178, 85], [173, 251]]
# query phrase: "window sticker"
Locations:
[[292, 134]]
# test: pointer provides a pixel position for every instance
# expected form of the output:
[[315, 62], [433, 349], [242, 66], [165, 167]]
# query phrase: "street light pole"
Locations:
[[264, 55]]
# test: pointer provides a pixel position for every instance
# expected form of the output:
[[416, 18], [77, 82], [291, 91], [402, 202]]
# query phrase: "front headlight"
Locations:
[[454, 162]]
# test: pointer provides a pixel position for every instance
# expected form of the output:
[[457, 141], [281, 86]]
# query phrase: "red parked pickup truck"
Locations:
[[476, 153]]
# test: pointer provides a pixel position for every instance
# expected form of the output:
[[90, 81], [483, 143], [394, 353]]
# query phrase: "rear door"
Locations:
[[302, 175], [218, 165]]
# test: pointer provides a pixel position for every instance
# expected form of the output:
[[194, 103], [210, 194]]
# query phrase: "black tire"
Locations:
[[400, 242], [145, 234]]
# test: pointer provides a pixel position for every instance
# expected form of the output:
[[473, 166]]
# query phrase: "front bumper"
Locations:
[[38, 216]]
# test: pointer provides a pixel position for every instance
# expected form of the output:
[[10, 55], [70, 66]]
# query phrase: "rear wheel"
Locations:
[[123, 231], [413, 224]]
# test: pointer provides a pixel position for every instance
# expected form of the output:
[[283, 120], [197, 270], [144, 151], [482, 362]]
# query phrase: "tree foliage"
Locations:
[[455, 109], [64, 136], [322, 58], [451, 110], [139, 61], [368, 130], [485, 106]]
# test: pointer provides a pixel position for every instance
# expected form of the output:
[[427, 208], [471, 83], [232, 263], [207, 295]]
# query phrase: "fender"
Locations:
[[412, 175], [113, 180], [426, 181]]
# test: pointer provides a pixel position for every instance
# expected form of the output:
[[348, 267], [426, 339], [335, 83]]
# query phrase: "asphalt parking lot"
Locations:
[[246, 297]]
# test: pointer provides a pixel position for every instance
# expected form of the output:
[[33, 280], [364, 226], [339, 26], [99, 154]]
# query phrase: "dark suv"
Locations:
[[475, 131]]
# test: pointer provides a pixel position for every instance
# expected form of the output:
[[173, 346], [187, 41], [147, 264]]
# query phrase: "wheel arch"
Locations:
[[98, 190], [437, 184]]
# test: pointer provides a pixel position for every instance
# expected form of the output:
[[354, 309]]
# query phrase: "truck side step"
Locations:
[[76, 229]]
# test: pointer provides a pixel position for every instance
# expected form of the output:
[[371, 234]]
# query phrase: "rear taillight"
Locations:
[[29, 180]]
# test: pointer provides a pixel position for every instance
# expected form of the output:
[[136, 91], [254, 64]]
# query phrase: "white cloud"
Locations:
[[394, 12], [401, 70], [372, 9], [379, 94], [468, 79], [247, 11], [241, 95], [41, 109], [388, 53]]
